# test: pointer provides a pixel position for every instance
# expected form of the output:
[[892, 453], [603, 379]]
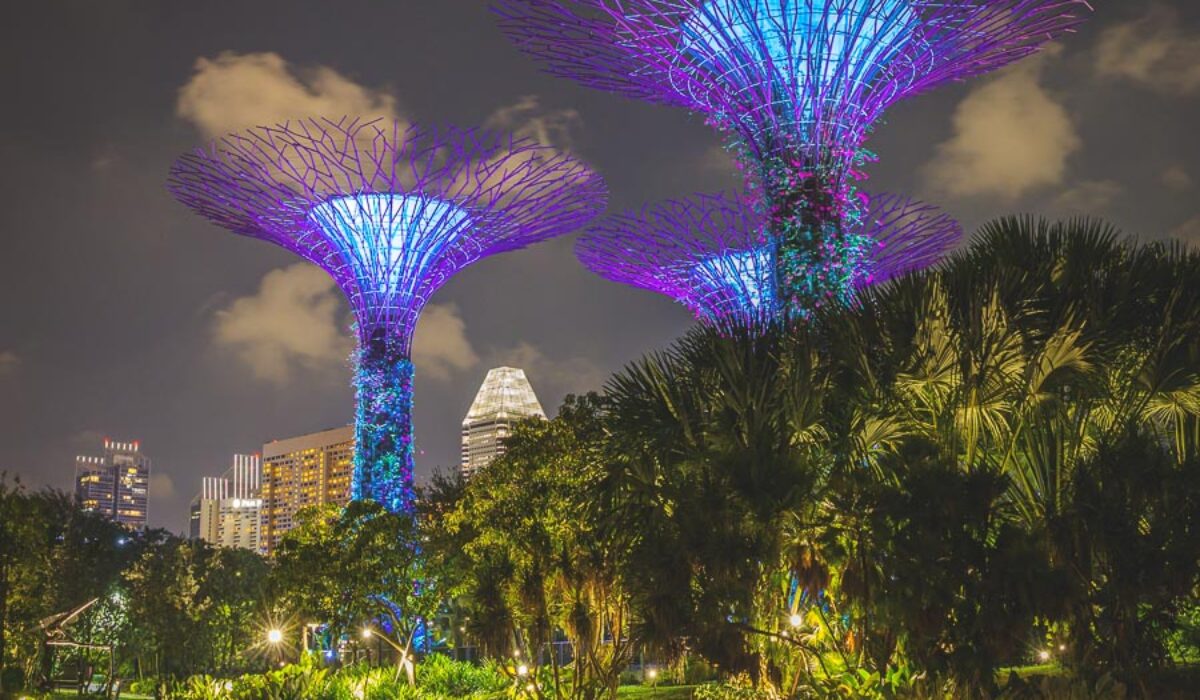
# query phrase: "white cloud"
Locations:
[[291, 323], [1154, 51], [1177, 178], [9, 362], [1188, 231], [295, 323], [162, 487], [525, 118], [440, 345], [1010, 136], [1088, 197], [239, 91]]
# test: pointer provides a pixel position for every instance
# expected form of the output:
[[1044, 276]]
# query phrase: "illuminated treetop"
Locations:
[[712, 254], [817, 72], [390, 211]]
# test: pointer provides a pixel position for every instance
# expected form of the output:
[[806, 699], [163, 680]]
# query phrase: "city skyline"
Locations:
[[124, 316], [504, 396]]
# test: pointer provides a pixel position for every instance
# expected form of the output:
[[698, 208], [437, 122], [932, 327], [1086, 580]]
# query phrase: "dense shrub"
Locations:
[[438, 678]]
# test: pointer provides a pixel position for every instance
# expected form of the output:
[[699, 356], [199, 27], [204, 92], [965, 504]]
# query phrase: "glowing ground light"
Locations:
[[391, 212], [274, 636]]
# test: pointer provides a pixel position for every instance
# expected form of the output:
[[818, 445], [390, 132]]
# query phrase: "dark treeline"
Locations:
[[992, 465], [166, 605], [985, 466]]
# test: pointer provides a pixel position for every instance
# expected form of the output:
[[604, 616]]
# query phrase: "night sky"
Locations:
[[124, 315]]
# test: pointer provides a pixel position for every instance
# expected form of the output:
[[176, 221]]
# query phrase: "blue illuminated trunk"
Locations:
[[811, 210], [383, 449]]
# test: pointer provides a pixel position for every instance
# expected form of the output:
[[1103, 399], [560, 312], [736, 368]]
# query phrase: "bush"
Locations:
[[12, 680], [438, 678], [143, 686], [460, 679], [737, 688], [293, 682]]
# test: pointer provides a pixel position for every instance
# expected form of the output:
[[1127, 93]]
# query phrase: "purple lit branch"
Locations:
[[711, 253], [819, 72], [390, 211], [797, 85]]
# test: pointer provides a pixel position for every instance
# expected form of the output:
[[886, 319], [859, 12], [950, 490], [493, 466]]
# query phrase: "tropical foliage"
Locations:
[[966, 471]]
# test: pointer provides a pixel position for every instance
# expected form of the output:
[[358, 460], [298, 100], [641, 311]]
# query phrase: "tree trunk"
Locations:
[[383, 455], [810, 206]]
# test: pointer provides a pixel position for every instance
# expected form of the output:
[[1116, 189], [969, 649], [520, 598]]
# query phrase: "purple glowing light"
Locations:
[[391, 212], [820, 71], [795, 85], [712, 254]]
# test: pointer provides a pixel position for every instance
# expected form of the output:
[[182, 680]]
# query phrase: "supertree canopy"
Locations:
[[708, 252], [391, 212], [795, 84]]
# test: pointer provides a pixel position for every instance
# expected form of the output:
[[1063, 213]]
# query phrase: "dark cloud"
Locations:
[[1155, 50], [132, 318]]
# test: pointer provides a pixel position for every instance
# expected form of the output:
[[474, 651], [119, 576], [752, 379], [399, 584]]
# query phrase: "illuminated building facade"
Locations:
[[309, 470], [116, 484], [504, 398], [228, 510]]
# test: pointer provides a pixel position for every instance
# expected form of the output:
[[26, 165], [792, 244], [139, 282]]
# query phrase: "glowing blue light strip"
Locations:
[[737, 283], [390, 241], [806, 41]]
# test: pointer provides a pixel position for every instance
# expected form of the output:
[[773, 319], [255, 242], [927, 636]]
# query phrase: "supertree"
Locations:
[[708, 253], [796, 86], [391, 212]]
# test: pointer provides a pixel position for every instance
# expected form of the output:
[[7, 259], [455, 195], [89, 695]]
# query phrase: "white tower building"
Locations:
[[504, 398]]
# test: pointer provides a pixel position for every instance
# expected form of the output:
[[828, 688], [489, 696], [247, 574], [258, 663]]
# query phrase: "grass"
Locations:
[[663, 692], [640, 692], [626, 692], [1029, 671]]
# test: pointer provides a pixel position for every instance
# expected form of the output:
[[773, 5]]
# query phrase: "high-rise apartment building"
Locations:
[[310, 470], [116, 484], [208, 506], [504, 398], [194, 519], [228, 510]]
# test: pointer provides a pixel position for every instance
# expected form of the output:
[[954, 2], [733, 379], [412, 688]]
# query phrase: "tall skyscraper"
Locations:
[[116, 484], [504, 398], [228, 510], [309, 470]]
